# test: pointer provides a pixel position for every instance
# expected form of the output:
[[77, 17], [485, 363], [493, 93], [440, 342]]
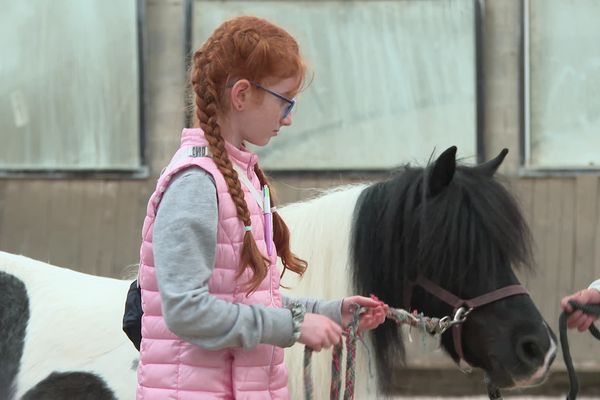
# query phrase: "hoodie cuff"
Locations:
[[281, 331], [595, 285]]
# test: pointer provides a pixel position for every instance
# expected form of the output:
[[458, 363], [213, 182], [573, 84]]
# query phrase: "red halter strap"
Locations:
[[456, 302]]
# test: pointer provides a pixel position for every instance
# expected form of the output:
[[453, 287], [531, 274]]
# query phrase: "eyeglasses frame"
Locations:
[[291, 102]]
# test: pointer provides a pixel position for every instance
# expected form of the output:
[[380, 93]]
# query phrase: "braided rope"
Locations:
[[351, 354], [400, 316], [307, 370], [430, 325], [336, 371]]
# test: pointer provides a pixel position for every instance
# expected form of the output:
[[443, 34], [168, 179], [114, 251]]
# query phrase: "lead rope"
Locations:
[[434, 326], [351, 335], [564, 342]]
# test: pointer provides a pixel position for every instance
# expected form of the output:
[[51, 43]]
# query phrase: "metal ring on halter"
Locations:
[[460, 315]]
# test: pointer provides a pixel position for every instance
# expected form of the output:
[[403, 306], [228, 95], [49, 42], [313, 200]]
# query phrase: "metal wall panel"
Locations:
[[392, 80]]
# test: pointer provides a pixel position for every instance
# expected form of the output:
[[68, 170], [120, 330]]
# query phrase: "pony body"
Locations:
[[74, 325]]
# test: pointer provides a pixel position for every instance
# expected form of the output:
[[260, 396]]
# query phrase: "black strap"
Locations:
[[564, 342]]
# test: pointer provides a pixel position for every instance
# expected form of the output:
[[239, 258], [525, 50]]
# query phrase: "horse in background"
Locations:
[[421, 239], [454, 225]]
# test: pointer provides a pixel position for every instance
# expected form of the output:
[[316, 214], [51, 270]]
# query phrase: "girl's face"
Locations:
[[258, 110]]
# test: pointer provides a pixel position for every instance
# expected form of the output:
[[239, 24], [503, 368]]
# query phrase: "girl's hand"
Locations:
[[319, 332], [578, 319], [370, 319]]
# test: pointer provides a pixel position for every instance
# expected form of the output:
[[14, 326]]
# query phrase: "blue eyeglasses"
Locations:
[[290, 102]]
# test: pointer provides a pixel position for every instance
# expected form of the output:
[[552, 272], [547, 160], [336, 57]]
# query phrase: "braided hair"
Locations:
[[254, 49]]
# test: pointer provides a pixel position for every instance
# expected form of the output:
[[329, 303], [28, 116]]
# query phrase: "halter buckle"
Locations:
[[460, 316]]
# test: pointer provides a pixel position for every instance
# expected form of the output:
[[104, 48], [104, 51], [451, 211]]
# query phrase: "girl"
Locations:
[[214, 322]]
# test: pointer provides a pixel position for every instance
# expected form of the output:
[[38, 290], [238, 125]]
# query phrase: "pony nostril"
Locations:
[[529, 351]]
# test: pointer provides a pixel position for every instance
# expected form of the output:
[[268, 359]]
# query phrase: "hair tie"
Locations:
[[248, 228]]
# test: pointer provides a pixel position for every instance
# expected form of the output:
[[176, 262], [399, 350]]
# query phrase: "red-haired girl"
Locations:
[[214, 322]]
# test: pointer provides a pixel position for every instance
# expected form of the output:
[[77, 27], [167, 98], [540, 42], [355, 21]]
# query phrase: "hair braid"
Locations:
[[281, 234], [250, 48], [206, 110]]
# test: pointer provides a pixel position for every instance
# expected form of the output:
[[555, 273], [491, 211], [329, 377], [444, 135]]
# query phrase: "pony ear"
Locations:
[[490, 167], [442, 171]]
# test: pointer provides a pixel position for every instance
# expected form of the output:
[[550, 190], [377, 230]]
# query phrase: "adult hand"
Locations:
[[319, 332], [371, 318], [578, 319]]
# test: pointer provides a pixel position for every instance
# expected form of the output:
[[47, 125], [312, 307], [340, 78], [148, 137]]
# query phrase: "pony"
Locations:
[[431, 239], [445, 226]]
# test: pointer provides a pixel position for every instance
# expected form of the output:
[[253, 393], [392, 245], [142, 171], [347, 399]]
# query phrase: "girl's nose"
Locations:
[[287, 121]]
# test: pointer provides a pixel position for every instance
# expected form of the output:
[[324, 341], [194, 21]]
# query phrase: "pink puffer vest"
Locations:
[[171, 368]]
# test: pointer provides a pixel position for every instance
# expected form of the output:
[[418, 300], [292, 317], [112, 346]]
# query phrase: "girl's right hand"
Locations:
[[319, 332]]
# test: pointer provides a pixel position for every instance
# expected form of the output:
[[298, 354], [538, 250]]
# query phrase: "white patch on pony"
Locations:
[[312, 222], [75, 325], [541, 373], [320, 234]]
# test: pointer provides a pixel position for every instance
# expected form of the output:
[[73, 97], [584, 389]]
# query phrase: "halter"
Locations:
[[461, 307]]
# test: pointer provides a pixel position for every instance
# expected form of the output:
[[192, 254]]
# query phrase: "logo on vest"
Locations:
[[198, 151]]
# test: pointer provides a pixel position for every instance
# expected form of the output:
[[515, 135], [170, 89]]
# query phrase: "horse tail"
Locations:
[[14, 316]]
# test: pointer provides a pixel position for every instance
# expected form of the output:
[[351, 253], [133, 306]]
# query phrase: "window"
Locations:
[[392, 80], [562, 84], [70, 86]]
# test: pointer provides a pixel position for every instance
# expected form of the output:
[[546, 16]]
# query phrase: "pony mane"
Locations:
[[468, 233]]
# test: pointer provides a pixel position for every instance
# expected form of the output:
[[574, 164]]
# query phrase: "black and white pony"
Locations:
[[421, 239]]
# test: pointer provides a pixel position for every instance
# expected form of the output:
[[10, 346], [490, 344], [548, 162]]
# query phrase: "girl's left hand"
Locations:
[[370, 319]]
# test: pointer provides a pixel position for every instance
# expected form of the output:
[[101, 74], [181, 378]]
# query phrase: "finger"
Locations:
[[366, 323], [564, 303], [332, 338], [336, 339], [578, 319], [586, 324], [365, 301], [572, 321], [589, 296], [336, 328], [583, 296], [337, 331]]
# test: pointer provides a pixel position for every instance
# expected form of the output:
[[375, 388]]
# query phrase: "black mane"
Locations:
[[469, 231]]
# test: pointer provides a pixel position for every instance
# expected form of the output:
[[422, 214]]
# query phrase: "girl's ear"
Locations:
[[240, 93]]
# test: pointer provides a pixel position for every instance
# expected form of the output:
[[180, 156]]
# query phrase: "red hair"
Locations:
[[254, 49]]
